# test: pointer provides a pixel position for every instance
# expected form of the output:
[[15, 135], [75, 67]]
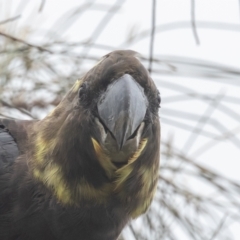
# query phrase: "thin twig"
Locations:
[[133, 231], [24, 42], [6, 116], [217, 231], [70, 17], [193, 22], [202, 121], [186, 127], [24, 111], [152, 35], [10, 19], [225, 136], [225, 133], [182, 25], [101, 26], [42, 5]]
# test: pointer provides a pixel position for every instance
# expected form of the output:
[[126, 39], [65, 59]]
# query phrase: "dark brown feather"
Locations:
[[64, 185]]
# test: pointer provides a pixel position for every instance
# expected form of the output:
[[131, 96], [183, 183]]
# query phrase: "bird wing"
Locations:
[[8, 148], [13, 136]]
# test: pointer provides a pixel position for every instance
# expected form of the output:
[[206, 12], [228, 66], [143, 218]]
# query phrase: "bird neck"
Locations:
[[68, 162], [63, 159]]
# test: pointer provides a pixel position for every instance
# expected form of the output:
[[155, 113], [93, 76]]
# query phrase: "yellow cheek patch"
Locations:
[[148, 178], [147, 175], [120, 175], [99, 61], [51, 175], [77, 85], [141, 208], [42, 147], [137, 154], [53, 178], [104, 160], [89, 192], [47, 172], [123, 173]]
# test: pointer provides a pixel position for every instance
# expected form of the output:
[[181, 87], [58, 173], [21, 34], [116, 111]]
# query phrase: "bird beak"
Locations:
[[122, 108]]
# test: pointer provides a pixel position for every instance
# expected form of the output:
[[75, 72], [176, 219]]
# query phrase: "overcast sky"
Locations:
[[217, 45]]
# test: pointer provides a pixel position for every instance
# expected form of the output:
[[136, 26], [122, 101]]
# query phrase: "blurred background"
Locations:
[[192, 50]]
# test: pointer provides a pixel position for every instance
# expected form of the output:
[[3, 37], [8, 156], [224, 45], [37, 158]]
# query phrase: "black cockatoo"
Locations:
[[90, 165]]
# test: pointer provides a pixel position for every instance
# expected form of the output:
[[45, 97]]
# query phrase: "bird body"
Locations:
[[91, 165]]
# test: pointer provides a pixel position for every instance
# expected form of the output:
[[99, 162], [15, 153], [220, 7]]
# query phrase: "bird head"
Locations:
[[103, 139], [120, 98]]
